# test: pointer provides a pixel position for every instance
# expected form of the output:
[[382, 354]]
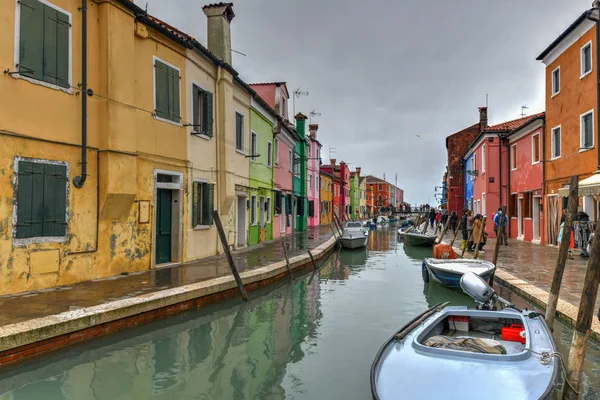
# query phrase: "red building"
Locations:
[[381, 191], [456, 146], [341, 198]]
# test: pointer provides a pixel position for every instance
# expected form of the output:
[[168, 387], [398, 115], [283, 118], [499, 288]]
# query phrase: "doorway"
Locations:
[[241, 220], [536, 218], [168, 217], [164, 220], [520, 218], [552, 219], [282, 214]]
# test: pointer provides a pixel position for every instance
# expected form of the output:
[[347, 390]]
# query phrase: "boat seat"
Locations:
[[465, 343]]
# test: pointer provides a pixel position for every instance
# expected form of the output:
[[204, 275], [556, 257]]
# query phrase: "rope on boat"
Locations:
[[547, 357]]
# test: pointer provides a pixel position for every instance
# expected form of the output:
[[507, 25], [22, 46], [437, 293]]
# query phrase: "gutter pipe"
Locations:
[[78, 181], [597, 21]]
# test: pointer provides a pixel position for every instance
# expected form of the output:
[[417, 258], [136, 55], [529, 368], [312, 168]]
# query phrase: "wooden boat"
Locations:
[[449, 272], [414, 238], [354, 236], [456, 353]]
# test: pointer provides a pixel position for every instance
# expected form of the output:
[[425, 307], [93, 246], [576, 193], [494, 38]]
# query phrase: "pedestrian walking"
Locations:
[[477, 225], [497, 219], [453, 221], [444, 218], [438, 217], [432, 217], [464, 229], [470, 230]]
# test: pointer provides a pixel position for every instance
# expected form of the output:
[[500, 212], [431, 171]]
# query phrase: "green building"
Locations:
[[354, 195], [300, 206], [260, 221]]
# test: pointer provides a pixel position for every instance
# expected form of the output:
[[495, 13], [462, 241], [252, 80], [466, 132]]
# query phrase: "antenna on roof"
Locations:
[[146, 10], [523, 108], [239, 52]]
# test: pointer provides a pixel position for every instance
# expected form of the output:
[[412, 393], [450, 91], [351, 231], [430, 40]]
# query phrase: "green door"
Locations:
[[163, 226]]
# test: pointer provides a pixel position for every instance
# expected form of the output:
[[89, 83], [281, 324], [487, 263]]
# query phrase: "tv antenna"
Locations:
[[523, 108], [297, 93]]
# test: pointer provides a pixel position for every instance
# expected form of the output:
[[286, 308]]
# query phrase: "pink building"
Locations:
[[276, 95], [526, 181], [487, 170], [313, 191]]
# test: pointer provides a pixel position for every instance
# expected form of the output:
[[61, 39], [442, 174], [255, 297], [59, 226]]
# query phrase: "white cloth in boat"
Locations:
[[465, 343]]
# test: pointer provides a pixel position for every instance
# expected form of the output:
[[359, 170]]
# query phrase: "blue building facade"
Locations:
[[469, 181]]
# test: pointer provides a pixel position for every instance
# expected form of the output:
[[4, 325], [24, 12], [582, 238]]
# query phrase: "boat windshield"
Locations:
[[353, 225]]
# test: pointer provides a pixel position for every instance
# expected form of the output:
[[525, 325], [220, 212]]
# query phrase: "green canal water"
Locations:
[[314, 338]]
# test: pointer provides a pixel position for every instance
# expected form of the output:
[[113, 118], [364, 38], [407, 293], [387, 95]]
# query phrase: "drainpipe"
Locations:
[[597, 21], [78, 181], [217, 137]]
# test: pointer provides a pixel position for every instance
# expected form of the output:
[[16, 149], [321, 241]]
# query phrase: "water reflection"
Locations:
[[436, 294], [417, 253]]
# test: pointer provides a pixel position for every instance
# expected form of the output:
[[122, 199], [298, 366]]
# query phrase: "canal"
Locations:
[[314, 338]]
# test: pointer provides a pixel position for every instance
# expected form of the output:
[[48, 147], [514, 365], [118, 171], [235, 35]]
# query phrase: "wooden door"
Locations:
[[163, 226]]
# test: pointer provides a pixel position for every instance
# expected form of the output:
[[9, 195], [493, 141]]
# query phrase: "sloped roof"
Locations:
[[563, 35], [514, 124]]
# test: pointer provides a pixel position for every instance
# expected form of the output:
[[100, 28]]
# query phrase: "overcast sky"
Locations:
[[382, 71]]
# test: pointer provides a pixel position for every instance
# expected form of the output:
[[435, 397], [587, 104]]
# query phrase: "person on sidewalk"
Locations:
[[444, 218], [470, 221], [464, 229], [438, 217], [453, 221], [432, 217], [476, 241], [497, 219]]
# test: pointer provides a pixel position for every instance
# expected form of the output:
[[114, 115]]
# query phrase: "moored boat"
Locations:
[[414, 238], [354, 236], [470, 354], [449, 272]]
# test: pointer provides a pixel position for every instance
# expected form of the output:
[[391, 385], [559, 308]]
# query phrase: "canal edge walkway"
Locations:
[[41, 335]]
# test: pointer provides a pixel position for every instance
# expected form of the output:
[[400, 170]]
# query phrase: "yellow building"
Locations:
[[362, 197], [129, 202], [326, 198]]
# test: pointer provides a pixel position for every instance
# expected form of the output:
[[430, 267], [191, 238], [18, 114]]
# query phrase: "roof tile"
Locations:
[[514, 124]]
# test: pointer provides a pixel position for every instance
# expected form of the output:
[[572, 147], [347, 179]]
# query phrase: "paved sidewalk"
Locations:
[[40, 303], [535, 264]]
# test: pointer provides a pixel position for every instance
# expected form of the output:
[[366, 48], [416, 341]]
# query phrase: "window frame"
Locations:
[[291, 160], [253, 213], [38, 239], [553, 156], [269, 154], [195, 131], [253, 146], [581, 131], [268, 205], [276, 151], [581, 56], [17, 52], [483, 203], [239, 149], [483, 159], [554, 92], [513, 157], [156, 117], [196, 226], [533, 161]]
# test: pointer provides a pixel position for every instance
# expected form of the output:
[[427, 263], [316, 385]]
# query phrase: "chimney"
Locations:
[[301, 124], [483, 120], [312, 129], [358, 171], [332, 161], [219, 17]]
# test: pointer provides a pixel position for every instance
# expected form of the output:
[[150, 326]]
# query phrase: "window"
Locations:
[[166, 91], [587, 130], [253, 144], [41, 192], [44, 42], [310, 181], [268, 210], [380, 187], [253, 210], [311, 208], [296, 164], [483, 158], [556, 81], [269, 154], [526, 210], [535, 150], [586, 59], [556, 142], [291, 160], [239, 131], [319, 154], [512, 205], [276, 155], [283, 108], [513, 157], [202, 107], [483, 204], [262, 209], [203, 204]]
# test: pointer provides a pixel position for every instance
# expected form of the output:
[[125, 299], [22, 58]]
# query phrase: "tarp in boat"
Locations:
[[444, 251], [464, 343]]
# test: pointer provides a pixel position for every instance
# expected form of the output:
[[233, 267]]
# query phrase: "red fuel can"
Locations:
[[513, 333]]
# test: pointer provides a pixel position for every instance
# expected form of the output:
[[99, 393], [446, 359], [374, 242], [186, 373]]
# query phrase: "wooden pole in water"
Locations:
[[287, 260], [584, 320], [232, 266], [481, 231], [563, 252], [443, 232], [456, 232], [499, 235], [312, 259]]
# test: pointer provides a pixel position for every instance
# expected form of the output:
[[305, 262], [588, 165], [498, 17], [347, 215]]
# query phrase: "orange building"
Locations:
[[571, 119]]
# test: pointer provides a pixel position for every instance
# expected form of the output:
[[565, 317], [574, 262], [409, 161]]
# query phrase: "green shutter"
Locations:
[[31, 36], [208, 203], [162, 92], [60, 200], [62, 50], [24, 196], [50, 49], [37, 200], [50, 184], [195, 204], [195, 111], [173, 84], [208, 116]]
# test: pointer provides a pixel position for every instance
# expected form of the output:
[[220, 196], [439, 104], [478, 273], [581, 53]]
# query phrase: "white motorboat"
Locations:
[[449, 272], [354, 236]]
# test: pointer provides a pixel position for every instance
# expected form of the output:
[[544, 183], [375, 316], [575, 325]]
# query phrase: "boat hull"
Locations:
[[417, 239], [353, 243], [443, 272], [405, 368]]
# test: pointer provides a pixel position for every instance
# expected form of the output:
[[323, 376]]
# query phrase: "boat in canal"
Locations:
[[449, 272], [470, 354], [354, 236], [414, 238]]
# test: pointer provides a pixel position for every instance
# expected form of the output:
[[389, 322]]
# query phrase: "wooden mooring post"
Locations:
[[583, 324], [456, 232], [287, 260], [234, 270], [563, 252], [444, 232], [312, 259], [498, 238], [481, 233]]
